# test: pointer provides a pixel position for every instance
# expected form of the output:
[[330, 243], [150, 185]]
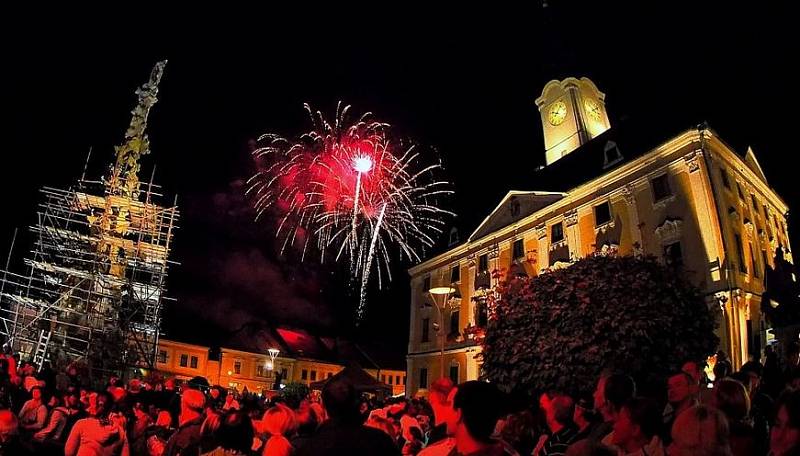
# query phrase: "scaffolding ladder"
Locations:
[[41, 348]]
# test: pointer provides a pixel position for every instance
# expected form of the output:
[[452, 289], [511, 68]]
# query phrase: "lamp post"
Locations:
[[442, 293]]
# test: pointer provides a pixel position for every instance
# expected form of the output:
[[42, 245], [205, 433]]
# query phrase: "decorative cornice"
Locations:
[[571, 217], [692, 160], [628, 195], [670, 230]]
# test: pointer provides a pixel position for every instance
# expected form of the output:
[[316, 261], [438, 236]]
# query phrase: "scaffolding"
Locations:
[[96, 278]]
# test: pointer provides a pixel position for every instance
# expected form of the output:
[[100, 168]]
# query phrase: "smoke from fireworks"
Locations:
[[351, 192]]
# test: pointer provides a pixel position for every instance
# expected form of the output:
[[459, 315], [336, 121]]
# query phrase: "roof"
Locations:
[[516, 205], [612, 149], [257, 337], [623, 143], [358, 377]]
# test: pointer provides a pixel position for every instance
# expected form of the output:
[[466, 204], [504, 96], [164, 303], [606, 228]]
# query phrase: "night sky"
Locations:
[[462, 82]]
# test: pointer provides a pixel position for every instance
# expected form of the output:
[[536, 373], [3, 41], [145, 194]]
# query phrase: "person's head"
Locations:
[[695, 370], [36, 393], [340, 400], [192, 402], [9, 426], [103, 404], [55, 401], [639, 420], [679, 388], [599, 395], [232, 430], [754, 370], [584, 412], [279, 420], [73, 400], [617, 389], [306, 420], [383, 424], [440, 399], [743, 378], [477, 407], [215, 393], [164, 419], [731, 398], [169, 384], [721, 370], [785, 434], [558, 409], [700, 431]]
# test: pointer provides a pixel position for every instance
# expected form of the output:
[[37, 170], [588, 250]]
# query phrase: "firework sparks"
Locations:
[[349, 189]]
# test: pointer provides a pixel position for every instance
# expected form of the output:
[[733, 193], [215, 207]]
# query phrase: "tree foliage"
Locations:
[[293, 393], [560, 329]]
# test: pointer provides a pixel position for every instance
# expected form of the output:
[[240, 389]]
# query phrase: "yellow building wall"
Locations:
[[394, 378], [320, 370], [248, 373], [174, 350]]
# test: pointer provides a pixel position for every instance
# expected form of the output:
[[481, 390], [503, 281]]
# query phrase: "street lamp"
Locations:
[[443, 294]]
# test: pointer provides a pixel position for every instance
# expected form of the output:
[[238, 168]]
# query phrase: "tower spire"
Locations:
[[124, 179]]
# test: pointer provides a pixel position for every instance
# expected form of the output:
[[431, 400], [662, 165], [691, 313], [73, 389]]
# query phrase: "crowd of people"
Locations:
[[755, 411]]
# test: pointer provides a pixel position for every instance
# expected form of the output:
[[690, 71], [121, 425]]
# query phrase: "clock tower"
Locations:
[[573, 112]]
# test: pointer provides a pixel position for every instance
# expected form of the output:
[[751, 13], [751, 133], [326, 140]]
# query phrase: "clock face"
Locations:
[[592, 108], [557, 113]]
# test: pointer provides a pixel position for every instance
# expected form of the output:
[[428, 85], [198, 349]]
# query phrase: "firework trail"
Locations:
[[349, 189]]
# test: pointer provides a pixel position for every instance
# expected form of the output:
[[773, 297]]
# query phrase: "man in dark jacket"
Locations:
[[343, 433], [187, 439]]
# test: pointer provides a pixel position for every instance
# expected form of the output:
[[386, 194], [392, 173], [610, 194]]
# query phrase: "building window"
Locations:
[[519, 249], [284, 373], [661, 188], [515, 206], [453, 237], [739, 189], [454, 374], [423, 378], [184, 360], [483, 263], [556, 233], [481, 313], [725, 180], [260, 371], [740, 253], [426, 284], [755, 204], [304, 374], [673, 256], [602, 214], [390, 379], [756, 272], [162, 356], [237, 367], [396, 379], [193, 362], [455, 274], [313, 376], [426, 323], [454, 316]]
